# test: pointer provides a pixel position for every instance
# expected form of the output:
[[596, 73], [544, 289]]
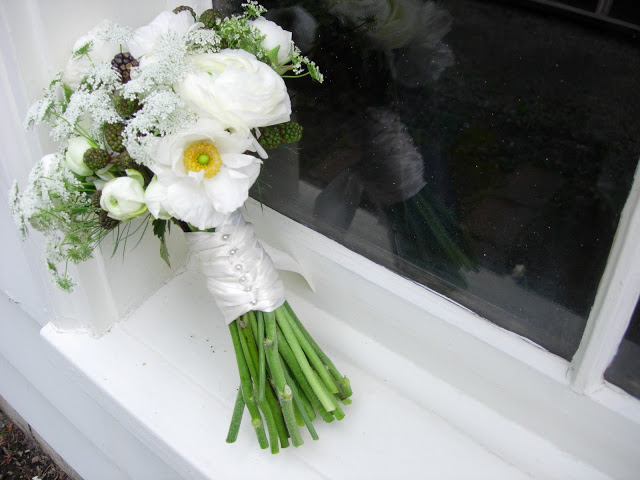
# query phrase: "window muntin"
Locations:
[[522, 125]]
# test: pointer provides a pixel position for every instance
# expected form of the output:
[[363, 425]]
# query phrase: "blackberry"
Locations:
[[106, 221], [124, 160], [290, 132], [209, 18], [96, 158], [95, 199], [113, 136], [182, 8], [123, 63], [269, 138], [124, 106]]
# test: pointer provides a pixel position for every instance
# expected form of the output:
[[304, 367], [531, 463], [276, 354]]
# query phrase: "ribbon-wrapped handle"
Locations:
[[240, 275]]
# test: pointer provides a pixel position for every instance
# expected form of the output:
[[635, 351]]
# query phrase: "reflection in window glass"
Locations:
[[624, 371], [482, 150], [626, 10]]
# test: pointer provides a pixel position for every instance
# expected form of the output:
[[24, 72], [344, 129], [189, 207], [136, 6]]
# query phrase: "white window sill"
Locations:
[[432, 398]]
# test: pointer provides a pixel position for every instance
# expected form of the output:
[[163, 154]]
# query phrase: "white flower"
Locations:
[[275, 36], [123, 197], [235, 88], [75, 154], [102, 50], [154, 195], [202, 174], [144, 40]]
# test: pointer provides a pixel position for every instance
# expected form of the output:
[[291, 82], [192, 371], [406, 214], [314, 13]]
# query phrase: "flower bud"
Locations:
[[123, 198], [75, 154], [275, 37]]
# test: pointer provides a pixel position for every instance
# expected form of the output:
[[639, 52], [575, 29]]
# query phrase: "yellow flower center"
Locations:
[[203, 156]]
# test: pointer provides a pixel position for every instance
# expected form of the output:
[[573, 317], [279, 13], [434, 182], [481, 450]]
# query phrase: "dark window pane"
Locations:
[[626, 10], [624, 371], [481, 149]]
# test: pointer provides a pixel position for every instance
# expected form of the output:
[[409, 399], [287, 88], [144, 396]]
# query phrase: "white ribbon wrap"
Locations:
[[240, 275]]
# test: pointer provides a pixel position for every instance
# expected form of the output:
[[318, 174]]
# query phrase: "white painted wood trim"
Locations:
[[614, 303]]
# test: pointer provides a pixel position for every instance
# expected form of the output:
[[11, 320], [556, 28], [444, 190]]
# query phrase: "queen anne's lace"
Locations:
[[163, 113]]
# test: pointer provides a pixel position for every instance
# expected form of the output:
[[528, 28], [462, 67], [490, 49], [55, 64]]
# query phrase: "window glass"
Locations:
[[481, 149], [626, 10], [624, 371]]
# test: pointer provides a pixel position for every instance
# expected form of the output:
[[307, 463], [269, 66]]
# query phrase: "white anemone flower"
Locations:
[[202, 174]]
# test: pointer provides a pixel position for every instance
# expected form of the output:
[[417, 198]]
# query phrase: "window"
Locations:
[[481, 149]]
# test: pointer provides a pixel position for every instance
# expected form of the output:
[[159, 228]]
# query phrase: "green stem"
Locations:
[[247, 393], [283, 434], [262, 359], [313, 357], [338, 413], [236, 418], [342, 381], [283, 390], [327, 401], [248, 345], [270, 395], [301, 407], [298, 391], [291, 362]]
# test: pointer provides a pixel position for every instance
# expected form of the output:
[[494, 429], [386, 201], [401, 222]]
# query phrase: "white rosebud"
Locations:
[[233, 87], [275, 37], [75, 156], [123, 198]]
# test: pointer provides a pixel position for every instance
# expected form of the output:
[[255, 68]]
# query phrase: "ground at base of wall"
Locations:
[[20, 456]]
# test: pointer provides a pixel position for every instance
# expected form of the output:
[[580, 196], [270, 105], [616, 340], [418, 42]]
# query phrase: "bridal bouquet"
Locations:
[[167, 124]]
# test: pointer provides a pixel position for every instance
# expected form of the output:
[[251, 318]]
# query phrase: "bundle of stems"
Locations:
[[286, 380]]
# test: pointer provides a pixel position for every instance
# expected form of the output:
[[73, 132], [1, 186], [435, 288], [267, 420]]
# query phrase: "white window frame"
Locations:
[[614, 303]]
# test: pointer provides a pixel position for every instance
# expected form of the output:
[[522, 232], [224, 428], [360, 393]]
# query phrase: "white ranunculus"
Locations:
[[75, 156], [193, 193], [145, 38], [235, 88], [123, 198], [275, 36], [101, 51]]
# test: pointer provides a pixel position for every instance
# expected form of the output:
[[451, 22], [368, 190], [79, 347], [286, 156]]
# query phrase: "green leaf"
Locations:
[[164, 253], [160, 227], [83, 50], [272, 55], [68, 91]]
